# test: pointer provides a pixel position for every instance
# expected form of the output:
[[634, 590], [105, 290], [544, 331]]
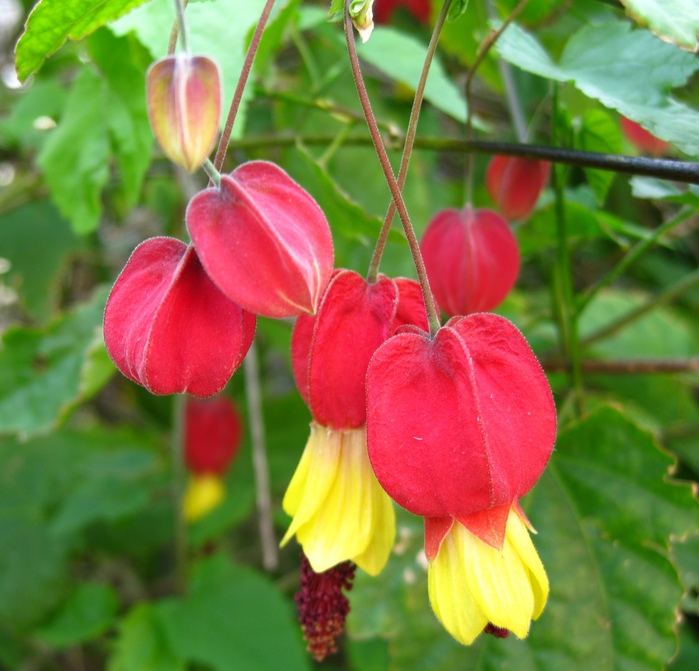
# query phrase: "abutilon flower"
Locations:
[[212, 435], [472, 259], [515, 184], [169, 328], [184, 107], [642, 139], [339, 510], [263, 240], [459, 427]]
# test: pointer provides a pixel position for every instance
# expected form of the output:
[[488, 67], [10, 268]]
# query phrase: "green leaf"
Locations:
[[637, 84], [216, 29], [52, 22], [39, 243], [600, 133], [142, 644], [675, 21], [88, 612], [41, 369], [105, 116], [605, 511], [651, 188], [233, 619]]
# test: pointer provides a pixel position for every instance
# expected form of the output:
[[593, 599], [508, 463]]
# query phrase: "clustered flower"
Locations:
[[454, 425]]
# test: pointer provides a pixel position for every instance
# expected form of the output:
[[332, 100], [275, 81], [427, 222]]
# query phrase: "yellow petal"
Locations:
[[203, 494], [340, 511], [449, 593], [520, 539], [313, 479]]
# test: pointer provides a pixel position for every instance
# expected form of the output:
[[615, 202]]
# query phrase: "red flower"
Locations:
[[169, 328], [515, 184], [461, 425], [263, 240], [213, 431], [642, 139], [420, 9], [472, 259]]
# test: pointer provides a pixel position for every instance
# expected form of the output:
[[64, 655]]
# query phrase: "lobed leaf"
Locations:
[[675, 21]]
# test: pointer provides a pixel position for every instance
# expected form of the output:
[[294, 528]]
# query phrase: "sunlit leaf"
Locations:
[[675, 21]]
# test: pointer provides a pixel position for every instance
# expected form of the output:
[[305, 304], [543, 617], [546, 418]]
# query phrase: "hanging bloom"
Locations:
[[515, 184], [263, 240], [213, 432], [474, 587], [339, 510], [459, 427], [184, 107], [168, 327], [472, 259], [642, 139]]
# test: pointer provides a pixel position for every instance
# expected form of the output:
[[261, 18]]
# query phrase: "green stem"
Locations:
[[483, 50], [634, 253], [432, 316], [563, 284], [408, 143], [240, 86], [180, 27], [178, 485], [687, 283], [213, 174]]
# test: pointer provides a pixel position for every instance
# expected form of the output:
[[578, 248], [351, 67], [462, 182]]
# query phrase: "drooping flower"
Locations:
[[169, 328], [459, 427], [263, 240], [184, 107], [643, 139], [472, 259], [515, 184], [339, 510], [213, 431]]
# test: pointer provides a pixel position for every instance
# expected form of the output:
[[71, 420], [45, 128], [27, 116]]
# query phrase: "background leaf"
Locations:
[[675, 21]]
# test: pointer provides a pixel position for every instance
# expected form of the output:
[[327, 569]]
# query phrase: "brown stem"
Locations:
[[626, 367], [240, 87], [174, 33], [432, 316], [409, 142]]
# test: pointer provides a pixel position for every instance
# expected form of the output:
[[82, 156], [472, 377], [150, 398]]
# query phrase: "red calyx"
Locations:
[[461, 425], [263, 240], [642, 139], [330, 351], [515, 184], [384, 9], [169, 328], [472, 259], [213, 430]]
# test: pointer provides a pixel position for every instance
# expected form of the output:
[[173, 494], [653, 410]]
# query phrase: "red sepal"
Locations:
[[489, 525], [213, 430], [642, 139], [472, 259], [263, 240], [169, 328], [461, 423], [436, 530], [515, 184]]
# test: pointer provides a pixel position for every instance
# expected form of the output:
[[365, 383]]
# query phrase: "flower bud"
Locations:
[[184, 107], [472, 259], [515, 184], [263, 240], [169, 328], [642, 139]]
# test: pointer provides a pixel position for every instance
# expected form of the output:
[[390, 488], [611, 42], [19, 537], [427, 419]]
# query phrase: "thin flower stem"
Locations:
[[240, 87], [409, 142], [634, 253], [687, 283], [270, 557], [178, 485], [179, 28], [483, 50], [432, 316], [213, 174]]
